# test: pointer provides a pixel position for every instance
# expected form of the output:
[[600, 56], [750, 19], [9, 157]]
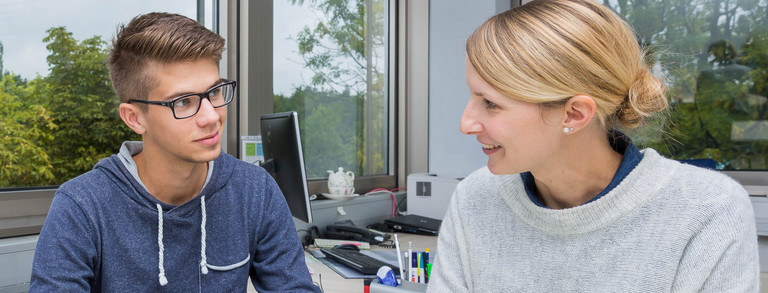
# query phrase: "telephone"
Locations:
[[346, 232]]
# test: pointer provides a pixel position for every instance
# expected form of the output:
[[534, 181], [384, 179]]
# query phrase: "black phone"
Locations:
[[346, 232]]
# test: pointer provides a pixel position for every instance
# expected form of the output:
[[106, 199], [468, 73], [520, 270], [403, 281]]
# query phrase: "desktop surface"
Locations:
[[333, 282]]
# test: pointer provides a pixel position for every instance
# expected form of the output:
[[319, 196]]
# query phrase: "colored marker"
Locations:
[[420, 270], [414, 267], [426, 265]]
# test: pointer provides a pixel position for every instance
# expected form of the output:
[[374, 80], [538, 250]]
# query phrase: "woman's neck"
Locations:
[[578, 174]]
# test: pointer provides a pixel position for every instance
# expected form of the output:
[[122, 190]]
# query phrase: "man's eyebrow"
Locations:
[[180, 93]]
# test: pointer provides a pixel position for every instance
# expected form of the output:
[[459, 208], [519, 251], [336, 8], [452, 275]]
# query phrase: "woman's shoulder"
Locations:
[[699, 184]]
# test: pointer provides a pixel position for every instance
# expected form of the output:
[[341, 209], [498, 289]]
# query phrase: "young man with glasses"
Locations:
[[172, 212]]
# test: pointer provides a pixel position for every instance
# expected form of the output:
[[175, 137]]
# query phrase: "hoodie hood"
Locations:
[[125, 174]]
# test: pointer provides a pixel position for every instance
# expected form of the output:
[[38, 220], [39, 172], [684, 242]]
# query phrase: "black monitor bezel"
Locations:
[[285, 173]]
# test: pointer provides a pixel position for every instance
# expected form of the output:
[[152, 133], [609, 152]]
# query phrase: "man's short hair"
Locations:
[[156, 38]]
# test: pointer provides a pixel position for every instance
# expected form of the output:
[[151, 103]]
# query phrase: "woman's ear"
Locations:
[[133, 117], [579, 112]]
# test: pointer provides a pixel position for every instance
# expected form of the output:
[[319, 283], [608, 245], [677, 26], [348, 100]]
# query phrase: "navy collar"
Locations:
[[620, 143]]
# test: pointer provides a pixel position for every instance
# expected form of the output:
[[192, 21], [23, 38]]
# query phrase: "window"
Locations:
[[58, 111], [331, 64], [714, 54]]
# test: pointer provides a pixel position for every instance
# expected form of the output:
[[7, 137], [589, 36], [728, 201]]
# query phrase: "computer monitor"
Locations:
[[284, 160]]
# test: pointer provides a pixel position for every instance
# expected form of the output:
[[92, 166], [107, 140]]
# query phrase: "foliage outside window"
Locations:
[[715, 56], [343, 99], [56, 126]]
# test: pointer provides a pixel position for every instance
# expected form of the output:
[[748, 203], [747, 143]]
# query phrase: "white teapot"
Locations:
[[341, 183]]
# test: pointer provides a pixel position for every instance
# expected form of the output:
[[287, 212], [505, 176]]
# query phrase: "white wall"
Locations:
[[451, 153]]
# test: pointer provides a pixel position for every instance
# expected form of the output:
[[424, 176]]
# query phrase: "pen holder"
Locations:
[[405, 287]]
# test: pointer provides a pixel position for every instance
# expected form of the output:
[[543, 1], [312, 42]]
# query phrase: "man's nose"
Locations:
[[207, 113]]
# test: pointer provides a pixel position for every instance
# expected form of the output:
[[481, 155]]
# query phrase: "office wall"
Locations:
[[452, 153]]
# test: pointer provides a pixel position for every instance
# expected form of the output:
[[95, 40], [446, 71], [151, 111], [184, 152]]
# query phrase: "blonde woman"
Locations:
[[567, 203]]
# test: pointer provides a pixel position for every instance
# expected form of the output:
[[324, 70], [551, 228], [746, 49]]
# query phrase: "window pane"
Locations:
[[330, 65], [715, 55], [58, 113]]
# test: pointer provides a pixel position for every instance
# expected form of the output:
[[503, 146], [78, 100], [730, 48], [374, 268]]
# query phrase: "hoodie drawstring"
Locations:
[[163, 279], [203, 258]]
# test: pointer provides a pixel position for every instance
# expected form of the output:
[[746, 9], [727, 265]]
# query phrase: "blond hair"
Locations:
[[547, 51], [161, 38]]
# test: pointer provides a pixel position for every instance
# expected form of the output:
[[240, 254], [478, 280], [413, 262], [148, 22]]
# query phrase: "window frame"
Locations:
[[23, 210], [255, 69]]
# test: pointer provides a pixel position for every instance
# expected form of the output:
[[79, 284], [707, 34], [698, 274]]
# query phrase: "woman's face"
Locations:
[[517, 136]]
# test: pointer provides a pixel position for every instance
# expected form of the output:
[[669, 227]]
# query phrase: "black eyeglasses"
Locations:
[[188, 105]]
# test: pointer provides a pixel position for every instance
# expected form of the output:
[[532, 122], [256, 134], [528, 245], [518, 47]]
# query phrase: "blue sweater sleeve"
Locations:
[[279, 265], [66, 255]]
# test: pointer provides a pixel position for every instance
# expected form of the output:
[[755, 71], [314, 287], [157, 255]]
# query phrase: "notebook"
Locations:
[[414, 224]]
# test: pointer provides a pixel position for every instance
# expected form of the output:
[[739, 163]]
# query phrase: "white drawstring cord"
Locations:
[[161, 276], [203, 259]]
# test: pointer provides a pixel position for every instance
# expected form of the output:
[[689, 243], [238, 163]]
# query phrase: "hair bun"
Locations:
[[647, 95]]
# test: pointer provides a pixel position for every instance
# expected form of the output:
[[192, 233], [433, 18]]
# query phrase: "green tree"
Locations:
[[1, 59], [81, 101], [26, 130], [346, 51], [716, 106], [324, 126]]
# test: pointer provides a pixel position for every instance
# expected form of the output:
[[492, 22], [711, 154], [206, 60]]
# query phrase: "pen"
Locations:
[[414, 267], [399, 261], [410, 263], [407, 259], [419, 272], [426, 265]]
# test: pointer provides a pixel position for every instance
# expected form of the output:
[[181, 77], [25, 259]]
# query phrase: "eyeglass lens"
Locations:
[[189, 105]]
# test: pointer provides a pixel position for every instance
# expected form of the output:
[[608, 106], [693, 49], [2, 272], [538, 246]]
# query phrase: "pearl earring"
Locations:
[[567, 129]]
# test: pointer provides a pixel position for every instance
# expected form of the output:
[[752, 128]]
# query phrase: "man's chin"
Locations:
[[207, 156]]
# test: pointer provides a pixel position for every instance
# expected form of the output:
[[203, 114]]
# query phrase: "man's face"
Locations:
[[196, 139]]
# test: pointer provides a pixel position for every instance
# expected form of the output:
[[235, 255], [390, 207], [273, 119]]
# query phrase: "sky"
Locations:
[[288, 64], [23, 24]]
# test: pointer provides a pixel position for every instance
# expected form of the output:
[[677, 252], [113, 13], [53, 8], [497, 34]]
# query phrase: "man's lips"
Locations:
[[209, 140]]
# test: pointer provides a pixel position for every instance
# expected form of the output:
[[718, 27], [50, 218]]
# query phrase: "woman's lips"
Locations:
[[490, 149]]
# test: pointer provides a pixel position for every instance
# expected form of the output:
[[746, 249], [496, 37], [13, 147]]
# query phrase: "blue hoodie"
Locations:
[[105, 232]]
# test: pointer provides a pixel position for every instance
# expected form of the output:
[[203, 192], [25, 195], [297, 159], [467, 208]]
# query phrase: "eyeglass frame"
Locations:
[[205, 95]]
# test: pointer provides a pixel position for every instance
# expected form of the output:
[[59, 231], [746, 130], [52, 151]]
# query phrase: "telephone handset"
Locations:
[[346, 232]]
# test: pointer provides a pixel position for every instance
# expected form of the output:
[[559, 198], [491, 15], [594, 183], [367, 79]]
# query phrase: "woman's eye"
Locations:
[[489, 104]]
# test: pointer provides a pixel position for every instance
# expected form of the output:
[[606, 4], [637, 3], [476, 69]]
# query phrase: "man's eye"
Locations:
[[182, 102], [215, 92]]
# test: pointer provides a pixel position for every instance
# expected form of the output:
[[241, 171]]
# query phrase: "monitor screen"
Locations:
[[284, 160]]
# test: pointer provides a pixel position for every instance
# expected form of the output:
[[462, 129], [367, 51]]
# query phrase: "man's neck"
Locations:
[[170, 182]]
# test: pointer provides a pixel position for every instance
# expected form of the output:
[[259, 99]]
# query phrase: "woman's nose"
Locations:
[[469, 123]]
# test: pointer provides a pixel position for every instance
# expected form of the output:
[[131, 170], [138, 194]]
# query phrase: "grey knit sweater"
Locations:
[[668, 227]]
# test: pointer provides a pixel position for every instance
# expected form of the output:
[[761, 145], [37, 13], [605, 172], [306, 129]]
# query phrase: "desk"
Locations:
[[333, 282]]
